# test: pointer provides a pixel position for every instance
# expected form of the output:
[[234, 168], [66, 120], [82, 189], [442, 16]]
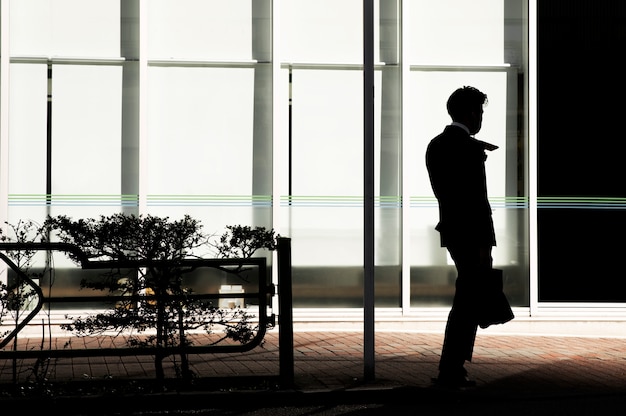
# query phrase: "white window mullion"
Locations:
[[407, 159], [4, 122], [143, 114], [4, 112], [532, 154], [278, 141]]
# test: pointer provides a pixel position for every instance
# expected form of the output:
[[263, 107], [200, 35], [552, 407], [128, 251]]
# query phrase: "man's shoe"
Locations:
[[454, 382]]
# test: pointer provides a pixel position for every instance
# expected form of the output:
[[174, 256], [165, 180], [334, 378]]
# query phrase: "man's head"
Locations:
[[465, 105]]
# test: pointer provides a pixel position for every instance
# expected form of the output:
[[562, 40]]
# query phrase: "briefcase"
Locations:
[[494, 307]]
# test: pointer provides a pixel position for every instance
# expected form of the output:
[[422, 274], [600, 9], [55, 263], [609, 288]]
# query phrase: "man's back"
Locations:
[[456, 167]]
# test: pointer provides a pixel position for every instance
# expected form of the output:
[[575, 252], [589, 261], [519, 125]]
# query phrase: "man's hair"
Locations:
[[465, 100]]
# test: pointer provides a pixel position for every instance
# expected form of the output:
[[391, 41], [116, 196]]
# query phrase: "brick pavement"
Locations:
[[503, 364]]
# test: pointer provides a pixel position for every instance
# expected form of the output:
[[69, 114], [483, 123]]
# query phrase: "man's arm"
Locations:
[[487, 146]]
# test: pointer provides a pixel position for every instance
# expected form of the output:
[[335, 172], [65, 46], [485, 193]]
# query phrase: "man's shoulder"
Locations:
[[451, 132], [437, 148], [452, 136], [443, 138]]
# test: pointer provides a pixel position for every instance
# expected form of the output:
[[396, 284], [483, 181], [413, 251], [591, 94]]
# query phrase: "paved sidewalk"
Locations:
[[506, 365], [538, 365]]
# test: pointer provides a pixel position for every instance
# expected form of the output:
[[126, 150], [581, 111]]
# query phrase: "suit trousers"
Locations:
[[472, 263]]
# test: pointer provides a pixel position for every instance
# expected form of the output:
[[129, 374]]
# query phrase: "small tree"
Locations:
[[17, 295], [157, 296], [243, 241]]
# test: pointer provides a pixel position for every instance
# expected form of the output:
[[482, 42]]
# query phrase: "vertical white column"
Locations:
[[279, 108], [4, 122], [368, 189], [532, 154], [407, 160], [143, 97], [4, 113]]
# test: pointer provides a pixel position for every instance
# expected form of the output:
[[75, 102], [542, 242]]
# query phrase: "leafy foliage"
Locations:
[[120, 236], [243, 241], [17, 295], [154, 295]]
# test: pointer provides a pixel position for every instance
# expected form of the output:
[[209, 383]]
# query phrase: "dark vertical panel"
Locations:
[[368, 190], [388, 241], [129, 50], [49, 143], [581, 148], [262, 140]]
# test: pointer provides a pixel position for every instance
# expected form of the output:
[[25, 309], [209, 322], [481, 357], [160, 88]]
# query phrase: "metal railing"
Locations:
[[265, 292]]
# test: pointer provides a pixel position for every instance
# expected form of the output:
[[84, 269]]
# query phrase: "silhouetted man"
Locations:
[[456, 166]]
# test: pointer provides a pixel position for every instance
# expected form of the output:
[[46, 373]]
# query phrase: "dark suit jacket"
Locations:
[[456, 167]]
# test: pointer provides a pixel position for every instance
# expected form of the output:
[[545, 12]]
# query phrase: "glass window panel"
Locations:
[[65, 28], [200, 134], [323, 31], [86, 138], [327, 133], [282, 137], [27, 129], [327, 175], [325, 217], [581, 181], [200, 125], [27, 142], [200, 29], [456, 32]]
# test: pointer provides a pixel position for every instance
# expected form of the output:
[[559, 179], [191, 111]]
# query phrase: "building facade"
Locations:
[[252, 112]]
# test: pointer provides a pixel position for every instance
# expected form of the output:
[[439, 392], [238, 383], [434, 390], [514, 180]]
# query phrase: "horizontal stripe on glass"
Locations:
[[495, 202], [338, 201], [388, 201], [579, 202], [132, 200], [301, 201], [209, 200], [71, 200]]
